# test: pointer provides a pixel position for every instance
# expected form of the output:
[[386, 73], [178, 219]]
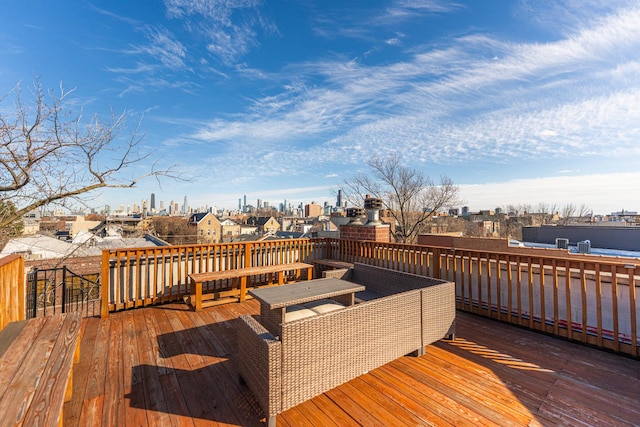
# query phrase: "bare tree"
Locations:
[[546, 212], [571, 211], [50, 156], [411, 197]]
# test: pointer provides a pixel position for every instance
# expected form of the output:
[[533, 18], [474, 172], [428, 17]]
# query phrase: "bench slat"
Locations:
[[40, 359], [240, 274], [9, 334], [57, 373], [12, 358], [249, 271]]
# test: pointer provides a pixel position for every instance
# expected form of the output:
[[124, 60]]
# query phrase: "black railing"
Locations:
[[60, 290]]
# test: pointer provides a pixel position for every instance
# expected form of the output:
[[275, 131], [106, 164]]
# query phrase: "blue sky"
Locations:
[[519, 102]]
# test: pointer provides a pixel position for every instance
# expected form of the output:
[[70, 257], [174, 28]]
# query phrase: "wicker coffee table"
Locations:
[[275, 300]]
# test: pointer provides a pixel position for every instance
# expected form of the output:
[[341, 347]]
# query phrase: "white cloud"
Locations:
[[454, 104], [594, 191], [226, 38], [165, 48]]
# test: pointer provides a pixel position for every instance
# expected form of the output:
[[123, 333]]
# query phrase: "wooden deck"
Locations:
[[167, 365]]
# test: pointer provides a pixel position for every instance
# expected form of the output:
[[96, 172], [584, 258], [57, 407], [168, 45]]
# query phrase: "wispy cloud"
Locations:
[[227, 35], [409, 9], [478, 98], [164, 47]]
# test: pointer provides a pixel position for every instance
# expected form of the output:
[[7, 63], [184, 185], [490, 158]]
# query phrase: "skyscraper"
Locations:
[[185, 207], [153, 202]]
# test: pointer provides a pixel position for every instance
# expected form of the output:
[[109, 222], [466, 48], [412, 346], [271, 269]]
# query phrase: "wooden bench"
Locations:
[[36, 365], [197, 300], [324, 264]]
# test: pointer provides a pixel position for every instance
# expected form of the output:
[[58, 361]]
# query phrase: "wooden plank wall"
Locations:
[[12, 289]]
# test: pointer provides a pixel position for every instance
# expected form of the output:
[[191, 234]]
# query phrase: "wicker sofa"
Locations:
[[398, 314]]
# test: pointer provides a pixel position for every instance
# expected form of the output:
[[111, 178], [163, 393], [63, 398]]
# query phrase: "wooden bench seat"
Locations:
[[239, 293], [36, 366]]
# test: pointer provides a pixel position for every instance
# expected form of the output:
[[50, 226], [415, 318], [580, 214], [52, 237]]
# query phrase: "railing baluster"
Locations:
[[614, 309], [599, 304], [567, 280], [556, 316], [632, 310], [543, 314]]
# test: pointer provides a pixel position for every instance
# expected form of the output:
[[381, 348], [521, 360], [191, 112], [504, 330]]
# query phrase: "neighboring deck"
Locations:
[[166, 365]]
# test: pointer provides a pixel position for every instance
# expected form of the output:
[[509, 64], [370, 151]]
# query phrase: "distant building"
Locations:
[[230, 230], [313, 210], [265, 224], [208, 227], [614, 237]]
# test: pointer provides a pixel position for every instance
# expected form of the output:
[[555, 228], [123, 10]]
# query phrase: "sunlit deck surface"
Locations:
[[169, 366]]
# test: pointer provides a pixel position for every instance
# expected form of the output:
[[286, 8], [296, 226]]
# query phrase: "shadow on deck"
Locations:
[[166, 365]]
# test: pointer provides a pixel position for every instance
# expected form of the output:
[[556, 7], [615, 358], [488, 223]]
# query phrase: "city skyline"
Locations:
[[243, 202], [518, 102]]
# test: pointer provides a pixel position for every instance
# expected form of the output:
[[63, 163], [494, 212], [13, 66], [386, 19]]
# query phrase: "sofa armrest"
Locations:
[[339, 273], [260, 364], [438, 311]]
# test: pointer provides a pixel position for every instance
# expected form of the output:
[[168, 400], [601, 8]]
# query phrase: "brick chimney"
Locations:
[[369, 228]]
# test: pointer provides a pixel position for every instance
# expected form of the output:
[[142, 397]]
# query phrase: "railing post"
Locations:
[[64, 288], [104, 285], [34, 292], [437, 264], [247, 254]]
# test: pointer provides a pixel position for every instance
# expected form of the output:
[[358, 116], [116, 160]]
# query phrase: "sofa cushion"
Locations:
[[323, 306], [296, 312]]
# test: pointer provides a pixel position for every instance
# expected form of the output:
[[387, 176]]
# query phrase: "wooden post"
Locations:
[[247, 255], [104, 285], [243, 288], [196, 290]]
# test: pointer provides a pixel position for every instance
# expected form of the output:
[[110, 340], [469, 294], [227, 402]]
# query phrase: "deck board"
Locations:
[[166, 365]]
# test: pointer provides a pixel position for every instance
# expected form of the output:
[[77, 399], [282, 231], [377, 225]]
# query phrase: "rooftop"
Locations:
[[166, 365]]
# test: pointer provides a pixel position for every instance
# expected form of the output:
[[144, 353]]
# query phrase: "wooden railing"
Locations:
[[12, 290], [588, 299], [141, 277]]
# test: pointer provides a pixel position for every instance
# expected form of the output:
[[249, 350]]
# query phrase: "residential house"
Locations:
[[230, 230], [208, 227], [265, 224]]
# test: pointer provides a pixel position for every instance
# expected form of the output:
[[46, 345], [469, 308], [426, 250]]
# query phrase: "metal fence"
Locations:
[[60, 290]]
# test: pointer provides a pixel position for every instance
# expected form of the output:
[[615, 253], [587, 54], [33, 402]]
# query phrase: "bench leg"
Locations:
[[243, 288], [196, 295]]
